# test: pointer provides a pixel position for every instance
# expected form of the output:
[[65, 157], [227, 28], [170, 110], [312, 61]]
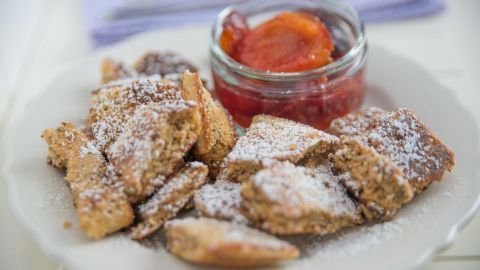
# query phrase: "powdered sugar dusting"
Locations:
[[69, 136], [196, 164], [54, 200], [351, 185], [352, 242], [220, 200], [275, 138], [139, 143], [355, 124], [126, 81], [113, 106], [300, 188], [409, 143], [159, 200], [181, 184], [89, 149]]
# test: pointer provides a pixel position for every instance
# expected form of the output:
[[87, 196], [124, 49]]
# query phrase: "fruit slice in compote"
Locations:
[[234, 29], [289, 42]]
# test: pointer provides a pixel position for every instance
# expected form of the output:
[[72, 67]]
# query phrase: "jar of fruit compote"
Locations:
[[314, 96]]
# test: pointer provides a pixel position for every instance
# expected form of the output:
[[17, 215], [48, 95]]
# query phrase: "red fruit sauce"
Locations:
[[289, 42]]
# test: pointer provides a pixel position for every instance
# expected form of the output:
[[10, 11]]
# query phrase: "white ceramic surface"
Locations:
[[41, 201]]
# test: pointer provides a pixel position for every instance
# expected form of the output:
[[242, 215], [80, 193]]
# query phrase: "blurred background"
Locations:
[[39, 37]]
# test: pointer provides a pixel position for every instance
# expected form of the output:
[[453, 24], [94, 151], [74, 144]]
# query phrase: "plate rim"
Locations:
[[58, 256]]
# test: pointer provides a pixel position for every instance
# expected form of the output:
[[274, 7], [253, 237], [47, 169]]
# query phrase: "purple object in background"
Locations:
[[398, 9], [110, 21]]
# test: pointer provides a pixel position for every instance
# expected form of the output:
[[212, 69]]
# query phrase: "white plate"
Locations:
[[40, 200]]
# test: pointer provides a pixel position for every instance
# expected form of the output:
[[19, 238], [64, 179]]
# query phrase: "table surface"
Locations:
[[51, 33]]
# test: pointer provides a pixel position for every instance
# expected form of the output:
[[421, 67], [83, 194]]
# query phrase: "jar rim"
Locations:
[[331, 68]]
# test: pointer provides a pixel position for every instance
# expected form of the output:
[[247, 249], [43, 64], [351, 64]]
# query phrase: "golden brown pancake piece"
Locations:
[[287, 199], [112, 105], [270, 139], [152, 145], [217, 134], [372, 178], [169, 200], [220, 243], [412, 146], [101, 205]]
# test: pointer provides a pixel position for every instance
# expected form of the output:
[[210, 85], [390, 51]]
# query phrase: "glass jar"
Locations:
[[314, 97]]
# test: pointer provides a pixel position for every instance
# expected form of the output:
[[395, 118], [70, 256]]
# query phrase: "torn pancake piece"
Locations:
[[287, 199], [167, 64], [412, 146], [372, 178], [217, 133], [154, 141], [220, 243], [168, 200], [102, 207], [270, 139], [113, 104], [404, 139]]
